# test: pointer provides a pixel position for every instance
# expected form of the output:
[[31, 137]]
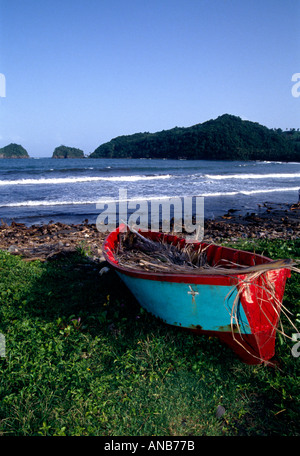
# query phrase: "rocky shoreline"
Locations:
[[52, 240]]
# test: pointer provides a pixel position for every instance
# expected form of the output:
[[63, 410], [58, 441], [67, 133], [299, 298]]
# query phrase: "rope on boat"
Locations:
[[134, 251]]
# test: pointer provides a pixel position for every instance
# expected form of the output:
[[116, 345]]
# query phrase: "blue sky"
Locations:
[[82, 72]]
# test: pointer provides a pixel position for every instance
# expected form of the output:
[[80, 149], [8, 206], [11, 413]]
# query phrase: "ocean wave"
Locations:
[[253, 176], [35, 203], [252, 192], [278, 162], [46, 203], [73, 180]]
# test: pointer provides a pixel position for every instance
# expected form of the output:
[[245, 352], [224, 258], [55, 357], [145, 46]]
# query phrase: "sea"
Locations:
[[38, 191]]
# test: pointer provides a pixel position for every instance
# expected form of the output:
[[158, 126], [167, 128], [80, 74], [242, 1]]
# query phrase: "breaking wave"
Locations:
[[252, 192], [35, 203], [253, 176], [73, 180]]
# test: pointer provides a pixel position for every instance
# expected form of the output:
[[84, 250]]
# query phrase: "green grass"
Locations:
[[82, 358]]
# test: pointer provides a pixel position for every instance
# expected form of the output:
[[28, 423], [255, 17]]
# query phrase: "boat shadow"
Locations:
[[78, 292]]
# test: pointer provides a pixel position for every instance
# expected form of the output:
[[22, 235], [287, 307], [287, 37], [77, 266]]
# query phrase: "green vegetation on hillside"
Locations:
[[293, 136], [67, 152], [13, 151], [225, 138]]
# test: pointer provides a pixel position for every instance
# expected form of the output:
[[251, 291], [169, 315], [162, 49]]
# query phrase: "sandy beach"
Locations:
[[55, 239]]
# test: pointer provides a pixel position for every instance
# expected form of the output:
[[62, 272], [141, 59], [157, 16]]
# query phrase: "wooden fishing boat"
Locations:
[[239, 305]]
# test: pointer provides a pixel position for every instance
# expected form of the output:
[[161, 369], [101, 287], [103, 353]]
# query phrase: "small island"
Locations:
[[13, 151], [67, 152]]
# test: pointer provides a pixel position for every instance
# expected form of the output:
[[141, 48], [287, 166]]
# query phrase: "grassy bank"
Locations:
[[82, 358]]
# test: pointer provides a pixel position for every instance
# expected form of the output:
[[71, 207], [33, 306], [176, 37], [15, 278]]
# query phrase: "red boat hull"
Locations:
[[259, 298]]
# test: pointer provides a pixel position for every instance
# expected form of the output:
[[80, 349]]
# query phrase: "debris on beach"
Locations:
[[50, 241], [55, 238]]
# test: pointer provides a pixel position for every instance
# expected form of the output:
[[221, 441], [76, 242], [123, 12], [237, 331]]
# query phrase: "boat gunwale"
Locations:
[[178, 277]]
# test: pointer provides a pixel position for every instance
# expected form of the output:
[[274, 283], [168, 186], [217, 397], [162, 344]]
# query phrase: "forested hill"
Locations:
[[67, 152], [226, 138], [13, 151]]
